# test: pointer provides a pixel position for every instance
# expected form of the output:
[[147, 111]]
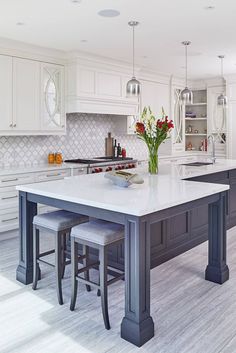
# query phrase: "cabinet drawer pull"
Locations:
[[9, 197], [8, 180], [9, 219], [51, 175]]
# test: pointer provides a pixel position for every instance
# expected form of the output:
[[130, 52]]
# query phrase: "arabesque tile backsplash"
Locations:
[[85, 138]]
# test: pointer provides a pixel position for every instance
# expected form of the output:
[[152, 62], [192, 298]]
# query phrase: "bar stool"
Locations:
[[59, 224], [97, 234]]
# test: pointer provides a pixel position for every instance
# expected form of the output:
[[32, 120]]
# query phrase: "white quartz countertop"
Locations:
[[157, 193], [180, 171], [18, 169]]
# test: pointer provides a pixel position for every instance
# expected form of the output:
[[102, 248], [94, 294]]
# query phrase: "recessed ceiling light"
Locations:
[[84, 41], [20, 23], [76, 1], [210, 8], [109, 13]]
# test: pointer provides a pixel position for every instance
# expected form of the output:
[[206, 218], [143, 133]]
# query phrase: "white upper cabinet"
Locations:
[[52, 103], [6, 122], [32, 97], [153, 94], [26, 88], [100, 88], [156, 95]]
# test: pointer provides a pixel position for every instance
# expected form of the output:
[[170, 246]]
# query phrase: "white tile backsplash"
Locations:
[[85, 138]]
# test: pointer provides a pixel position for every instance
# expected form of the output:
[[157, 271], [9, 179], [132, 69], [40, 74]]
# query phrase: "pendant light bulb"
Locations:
[[222, 98], [186, 95], [133, 87]]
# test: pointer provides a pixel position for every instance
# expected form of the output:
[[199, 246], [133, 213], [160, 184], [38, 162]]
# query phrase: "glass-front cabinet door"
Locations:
[[53, 111], [178, 119]]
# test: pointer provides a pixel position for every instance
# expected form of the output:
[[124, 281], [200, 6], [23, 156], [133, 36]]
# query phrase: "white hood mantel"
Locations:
[[99, 87]]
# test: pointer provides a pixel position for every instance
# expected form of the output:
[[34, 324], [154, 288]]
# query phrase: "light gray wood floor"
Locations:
[[191, 315]]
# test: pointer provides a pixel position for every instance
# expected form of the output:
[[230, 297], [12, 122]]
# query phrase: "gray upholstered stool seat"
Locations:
[[59, 224], [97, 234], [59, 220]]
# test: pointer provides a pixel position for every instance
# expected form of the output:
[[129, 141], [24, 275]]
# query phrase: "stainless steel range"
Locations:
[[105, 164]]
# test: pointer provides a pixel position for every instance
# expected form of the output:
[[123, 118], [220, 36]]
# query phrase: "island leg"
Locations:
[[217, 270], [27, 211], [137, 326]]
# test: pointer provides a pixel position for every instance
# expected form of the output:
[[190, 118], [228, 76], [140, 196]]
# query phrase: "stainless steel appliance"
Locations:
[[105, 164]]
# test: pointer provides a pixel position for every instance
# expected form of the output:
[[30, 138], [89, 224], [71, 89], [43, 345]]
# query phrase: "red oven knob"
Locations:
[[100, 170], [133, 165], [123, 167]]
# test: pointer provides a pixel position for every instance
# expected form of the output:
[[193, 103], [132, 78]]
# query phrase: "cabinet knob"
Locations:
[[11, 125], [63, 126], [14, 125]]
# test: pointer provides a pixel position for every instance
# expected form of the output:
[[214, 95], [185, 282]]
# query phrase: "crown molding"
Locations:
[[23, 50]]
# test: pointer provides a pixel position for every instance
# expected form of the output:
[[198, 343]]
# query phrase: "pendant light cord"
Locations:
[[222, 68], [133, 51], [186, 66]]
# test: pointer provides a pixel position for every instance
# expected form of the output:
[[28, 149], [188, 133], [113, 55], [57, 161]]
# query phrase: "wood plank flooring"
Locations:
[[191, 315]]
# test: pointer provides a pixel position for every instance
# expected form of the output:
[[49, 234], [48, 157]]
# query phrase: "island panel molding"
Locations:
[[137, 326]]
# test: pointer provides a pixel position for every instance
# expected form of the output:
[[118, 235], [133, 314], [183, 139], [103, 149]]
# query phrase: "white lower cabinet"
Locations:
[[52, 175], [78, 171], [9, 197], [9, 219]]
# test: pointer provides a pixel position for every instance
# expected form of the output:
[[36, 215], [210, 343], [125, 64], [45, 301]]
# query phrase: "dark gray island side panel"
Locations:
[[180, 233]]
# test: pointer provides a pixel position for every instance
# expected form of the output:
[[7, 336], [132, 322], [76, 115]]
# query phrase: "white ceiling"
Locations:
[[61, 24]]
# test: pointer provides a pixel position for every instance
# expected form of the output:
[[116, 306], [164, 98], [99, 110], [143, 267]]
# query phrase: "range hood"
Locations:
[[98, 87]]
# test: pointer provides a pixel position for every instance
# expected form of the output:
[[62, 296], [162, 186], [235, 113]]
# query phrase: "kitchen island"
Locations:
[[139, 208]]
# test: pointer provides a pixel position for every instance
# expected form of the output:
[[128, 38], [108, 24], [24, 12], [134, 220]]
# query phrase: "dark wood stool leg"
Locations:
[[103, 285], [63, 253], [58, 267], [35, 257], [85, 263], [74, 271]]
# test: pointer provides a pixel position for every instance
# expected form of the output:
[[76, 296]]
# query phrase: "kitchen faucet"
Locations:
[[213, 152]]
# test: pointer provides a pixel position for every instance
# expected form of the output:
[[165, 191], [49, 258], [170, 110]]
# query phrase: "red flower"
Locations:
[[170, 124], [160, 124], [140, 128]]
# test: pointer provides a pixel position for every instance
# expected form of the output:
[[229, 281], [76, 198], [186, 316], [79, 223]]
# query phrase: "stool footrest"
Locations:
[[46, 253], [46, 263], [90, 283], [115, 279], [85, 268]]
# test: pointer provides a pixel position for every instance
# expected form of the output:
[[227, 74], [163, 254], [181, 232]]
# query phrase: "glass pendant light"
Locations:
[[133, 86], [222, 99], [186, 95]]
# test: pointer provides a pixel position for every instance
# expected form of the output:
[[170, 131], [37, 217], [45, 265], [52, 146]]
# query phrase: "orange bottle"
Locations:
[[58, 158], [51, 158]]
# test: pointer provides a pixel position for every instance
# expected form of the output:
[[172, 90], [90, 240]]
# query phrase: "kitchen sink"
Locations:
[[197, 164]]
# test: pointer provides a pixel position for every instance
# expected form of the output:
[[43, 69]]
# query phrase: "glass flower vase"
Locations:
[[153, 162]]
